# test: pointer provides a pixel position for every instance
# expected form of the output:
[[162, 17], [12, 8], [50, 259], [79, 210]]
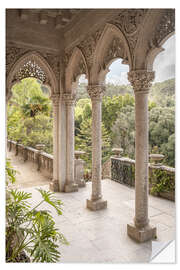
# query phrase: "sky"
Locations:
[[164, 66]]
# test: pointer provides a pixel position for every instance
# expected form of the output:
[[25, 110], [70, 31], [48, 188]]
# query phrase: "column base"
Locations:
[[96, 205], [141, 234], [71, 188], [81, 183], [54, 186]]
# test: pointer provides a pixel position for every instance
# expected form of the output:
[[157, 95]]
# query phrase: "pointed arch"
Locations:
[[76, 66], [33, 65], [111, 45]]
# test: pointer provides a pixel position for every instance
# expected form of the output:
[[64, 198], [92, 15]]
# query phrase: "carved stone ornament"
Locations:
[[30, 69], [96, 91], [166, 26], [141, 80], [80, 69], [55, 99], [88, 45], [129, 21], [115, 50], [69, 98], [12, 55], [54, 62]]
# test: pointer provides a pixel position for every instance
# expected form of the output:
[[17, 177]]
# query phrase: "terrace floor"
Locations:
[[101, 236]]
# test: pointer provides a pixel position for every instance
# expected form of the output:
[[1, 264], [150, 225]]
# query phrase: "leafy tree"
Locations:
[[123, 131], [83, 141]]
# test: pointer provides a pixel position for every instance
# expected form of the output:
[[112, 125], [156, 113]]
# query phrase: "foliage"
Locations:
[[83, 141], [32, 124], [30, 115], [161, 181], [162, 132], [31, 233]]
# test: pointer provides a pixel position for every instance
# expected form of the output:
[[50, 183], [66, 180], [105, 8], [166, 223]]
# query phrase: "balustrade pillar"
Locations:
[[96, 202], [140, 230], [70, 185], [54, 185]]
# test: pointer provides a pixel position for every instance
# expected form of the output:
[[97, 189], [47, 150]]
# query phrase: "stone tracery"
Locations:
[[30, 69]]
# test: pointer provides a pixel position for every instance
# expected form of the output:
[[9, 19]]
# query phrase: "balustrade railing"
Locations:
[[161, 178], [44, 161]]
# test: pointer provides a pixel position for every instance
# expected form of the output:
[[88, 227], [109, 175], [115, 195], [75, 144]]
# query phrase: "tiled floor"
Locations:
[[101, 236]]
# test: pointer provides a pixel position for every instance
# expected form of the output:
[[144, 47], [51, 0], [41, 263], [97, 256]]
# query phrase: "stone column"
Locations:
[[141, 230], [96, 202], [70, 185], [54, 185]]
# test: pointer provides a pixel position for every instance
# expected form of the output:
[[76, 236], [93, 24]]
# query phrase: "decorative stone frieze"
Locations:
[[96, 91], [69, 98], [141, 80], [55, 99]]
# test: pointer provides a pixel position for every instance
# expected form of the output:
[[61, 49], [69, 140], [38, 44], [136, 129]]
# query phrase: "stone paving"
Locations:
[[101, 236]]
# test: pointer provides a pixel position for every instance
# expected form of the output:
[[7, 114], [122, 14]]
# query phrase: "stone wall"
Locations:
[[43, 160]]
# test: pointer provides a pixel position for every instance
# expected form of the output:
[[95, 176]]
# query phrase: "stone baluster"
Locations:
[[54, 185], [96, 202], [70, 185], [140, 230]]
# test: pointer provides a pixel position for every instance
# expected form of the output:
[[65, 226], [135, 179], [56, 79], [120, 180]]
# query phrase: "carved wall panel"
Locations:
[[12, 55], [88, 46], [129, 21], [165, 27], [115, 50]]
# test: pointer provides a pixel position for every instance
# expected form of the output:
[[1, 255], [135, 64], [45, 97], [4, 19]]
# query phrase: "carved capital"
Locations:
[[141, 80], [55, 99], [69, 99], [96, 91]]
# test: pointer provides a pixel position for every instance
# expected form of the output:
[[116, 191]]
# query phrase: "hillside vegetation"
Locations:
[[30, 118]]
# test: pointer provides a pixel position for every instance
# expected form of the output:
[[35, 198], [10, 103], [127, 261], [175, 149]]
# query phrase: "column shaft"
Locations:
[[70, 183], [96, 149], [96, 202], [141, 157], [141, 230], [54, 185]]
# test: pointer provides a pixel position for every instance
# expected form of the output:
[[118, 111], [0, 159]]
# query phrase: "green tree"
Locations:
[[83, 141]]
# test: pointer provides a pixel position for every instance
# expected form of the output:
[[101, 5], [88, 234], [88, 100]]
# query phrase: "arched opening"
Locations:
[[30, 113], [162, 110], [118, 108]]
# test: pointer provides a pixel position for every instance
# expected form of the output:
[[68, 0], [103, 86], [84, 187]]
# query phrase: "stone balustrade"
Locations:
[[161, 178], [44, 160]]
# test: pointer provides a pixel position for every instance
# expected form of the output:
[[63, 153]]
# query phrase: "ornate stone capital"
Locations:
[[69, 98], [96, 91], [141, 80], [55, 99]]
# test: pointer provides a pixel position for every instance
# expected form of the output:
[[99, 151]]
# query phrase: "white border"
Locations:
[[78, 4]]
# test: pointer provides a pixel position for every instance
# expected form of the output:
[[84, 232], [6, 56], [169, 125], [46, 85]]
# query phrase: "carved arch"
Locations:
[[33, 65], [111, 45], [76, 66], [157, 28]]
